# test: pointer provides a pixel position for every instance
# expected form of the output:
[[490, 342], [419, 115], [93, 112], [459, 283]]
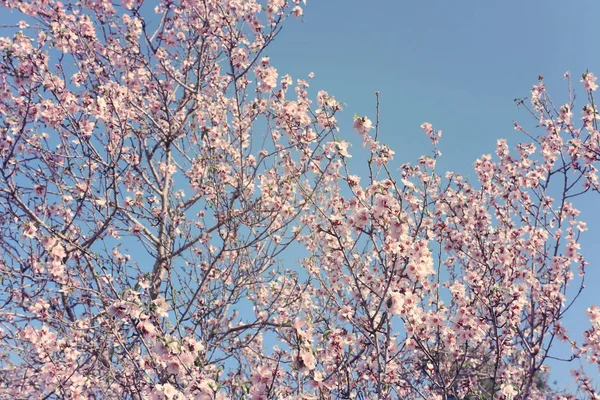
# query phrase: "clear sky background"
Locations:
[[458, 65]]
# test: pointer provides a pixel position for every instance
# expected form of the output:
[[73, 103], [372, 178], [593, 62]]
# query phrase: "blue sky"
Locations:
[[458, 65]]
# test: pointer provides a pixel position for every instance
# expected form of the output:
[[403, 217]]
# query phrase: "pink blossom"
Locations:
[[342, 147], [308, 359], [147, 329], [362, 125], [361, 218], [29, 230], [427, 128], [589, 81]]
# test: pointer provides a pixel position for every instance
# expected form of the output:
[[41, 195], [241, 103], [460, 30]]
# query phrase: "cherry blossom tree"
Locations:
[[452, 289], [160, 178]]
